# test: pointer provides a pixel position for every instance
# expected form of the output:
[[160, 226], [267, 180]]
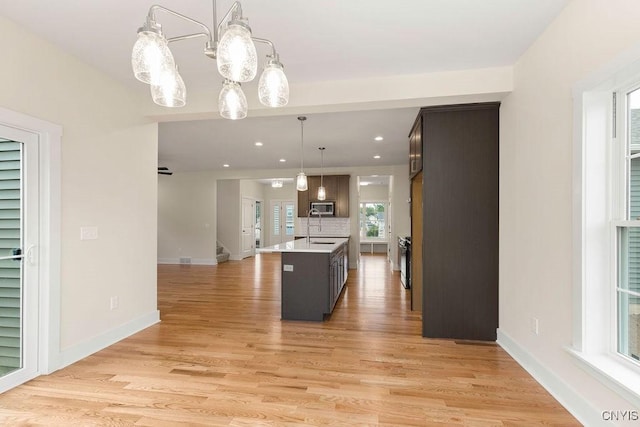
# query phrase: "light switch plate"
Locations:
[[287, 267], [88, 233]]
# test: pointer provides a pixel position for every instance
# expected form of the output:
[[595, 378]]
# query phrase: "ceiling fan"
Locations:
[[163, 170]]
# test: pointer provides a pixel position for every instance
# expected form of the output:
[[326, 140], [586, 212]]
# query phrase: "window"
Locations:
[[373, 221], [606, 225], [628, 226]]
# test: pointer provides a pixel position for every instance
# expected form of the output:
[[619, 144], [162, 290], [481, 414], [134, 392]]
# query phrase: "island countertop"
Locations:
[[317, 245]]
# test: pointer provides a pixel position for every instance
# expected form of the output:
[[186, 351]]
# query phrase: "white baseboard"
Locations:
[[559, 389], [194, 261], [236, 257], [204, 261], [87, 348]]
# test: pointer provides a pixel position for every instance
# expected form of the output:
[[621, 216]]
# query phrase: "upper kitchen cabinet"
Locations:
[[337, 191], [303, 201], [415, 148], [342, 200]]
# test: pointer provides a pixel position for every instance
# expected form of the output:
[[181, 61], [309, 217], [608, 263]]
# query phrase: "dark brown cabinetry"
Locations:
[[459, 220], [311, 288], [415, 148], [337, 190]]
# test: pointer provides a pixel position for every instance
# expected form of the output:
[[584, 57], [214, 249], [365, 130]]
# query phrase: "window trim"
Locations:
[[593, 227]]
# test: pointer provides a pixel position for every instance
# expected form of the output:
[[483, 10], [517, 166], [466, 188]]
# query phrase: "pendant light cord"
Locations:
[[302, 119], [321, 166]]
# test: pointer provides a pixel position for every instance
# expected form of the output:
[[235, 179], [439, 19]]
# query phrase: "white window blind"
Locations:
[[10, 270]]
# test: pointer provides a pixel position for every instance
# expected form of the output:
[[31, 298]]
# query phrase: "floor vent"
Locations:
[[185, 260]]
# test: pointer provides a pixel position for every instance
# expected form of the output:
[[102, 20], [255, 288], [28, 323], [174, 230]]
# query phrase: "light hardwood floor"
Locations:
[[222, 356]]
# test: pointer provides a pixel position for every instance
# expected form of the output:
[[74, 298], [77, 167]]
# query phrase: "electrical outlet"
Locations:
[[534, 325], [288, 267], [114, 303]]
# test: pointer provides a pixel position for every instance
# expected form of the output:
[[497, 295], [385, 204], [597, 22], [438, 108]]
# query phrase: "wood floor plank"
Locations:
[[222, 357]]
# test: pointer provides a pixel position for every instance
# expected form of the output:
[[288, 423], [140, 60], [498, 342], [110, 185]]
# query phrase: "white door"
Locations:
[[282, 221], [19, 282], [248, 227]]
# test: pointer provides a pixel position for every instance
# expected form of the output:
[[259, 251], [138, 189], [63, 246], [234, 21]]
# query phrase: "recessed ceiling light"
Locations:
[[378, 138], [259, 144], [375, 176], [283, 160], [225, 165], [376, 156]]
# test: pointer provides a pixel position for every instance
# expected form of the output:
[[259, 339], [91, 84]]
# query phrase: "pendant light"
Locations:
[[301, 179], [322, 192]]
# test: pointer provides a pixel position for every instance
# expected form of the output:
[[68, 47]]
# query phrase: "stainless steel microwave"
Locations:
[[322, 208]]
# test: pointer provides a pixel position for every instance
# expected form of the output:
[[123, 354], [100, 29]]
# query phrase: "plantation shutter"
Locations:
[[10, 270], [276, 220]]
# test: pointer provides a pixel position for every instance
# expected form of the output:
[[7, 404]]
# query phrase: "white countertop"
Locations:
[[317, 244]]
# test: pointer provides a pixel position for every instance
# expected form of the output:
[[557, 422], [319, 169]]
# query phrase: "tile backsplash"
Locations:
[[330, 227]]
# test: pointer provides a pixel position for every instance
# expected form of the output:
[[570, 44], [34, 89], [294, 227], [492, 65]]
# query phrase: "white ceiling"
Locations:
[[318, 40]]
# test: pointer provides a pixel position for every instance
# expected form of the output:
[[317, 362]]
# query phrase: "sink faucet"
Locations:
[[319, 222]]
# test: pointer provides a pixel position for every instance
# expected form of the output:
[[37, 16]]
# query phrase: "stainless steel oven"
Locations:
[[404, 246]]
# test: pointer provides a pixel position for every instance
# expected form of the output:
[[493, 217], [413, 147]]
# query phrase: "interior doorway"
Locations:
[[374, 214], [258, 223], [248, 227]]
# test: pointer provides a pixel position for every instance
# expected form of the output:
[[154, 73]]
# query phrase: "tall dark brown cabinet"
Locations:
[[460, 220]]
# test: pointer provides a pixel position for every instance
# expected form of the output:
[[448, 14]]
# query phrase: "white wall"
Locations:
[[108, 180], [187, 218], [228, 211], [252, 189], [536, 194], [374, 192]]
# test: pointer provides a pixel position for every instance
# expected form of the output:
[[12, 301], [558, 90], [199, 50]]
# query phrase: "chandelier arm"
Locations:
[[187, 37], [151, 16], [274, 54]]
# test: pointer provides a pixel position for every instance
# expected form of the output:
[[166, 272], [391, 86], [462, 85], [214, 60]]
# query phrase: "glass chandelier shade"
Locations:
[[151, 57], [170, 90], [232, 103], [273, 88], [301, 182], [277, 183], [237, 58]]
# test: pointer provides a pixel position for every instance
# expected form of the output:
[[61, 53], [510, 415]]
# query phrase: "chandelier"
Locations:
[[230, 44]]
